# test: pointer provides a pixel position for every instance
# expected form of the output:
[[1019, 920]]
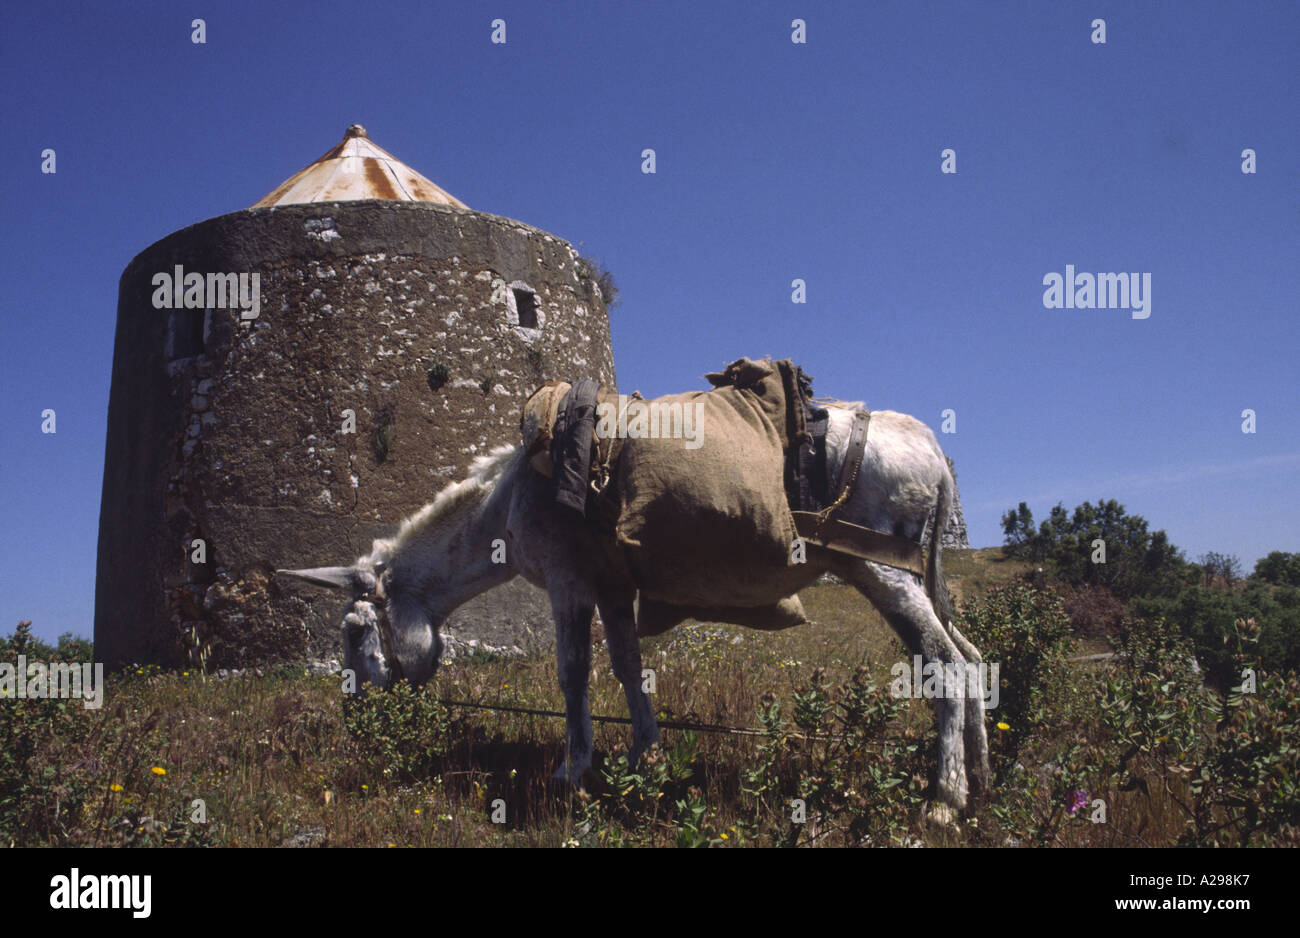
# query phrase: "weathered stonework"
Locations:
[[954, 535], [430, 323]]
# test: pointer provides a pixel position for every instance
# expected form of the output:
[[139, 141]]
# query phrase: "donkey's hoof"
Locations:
[[938, 814], [640, 749], [571, 773]]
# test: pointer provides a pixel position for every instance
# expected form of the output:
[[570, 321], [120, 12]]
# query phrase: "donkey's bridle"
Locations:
[[385, 628]]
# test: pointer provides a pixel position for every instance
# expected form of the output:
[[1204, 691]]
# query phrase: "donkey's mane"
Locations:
[[484, 474]]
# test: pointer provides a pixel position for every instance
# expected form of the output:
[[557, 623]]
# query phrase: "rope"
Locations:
[[663, 724]]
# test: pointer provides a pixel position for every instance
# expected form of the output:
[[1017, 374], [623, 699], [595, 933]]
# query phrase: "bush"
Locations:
[[859, 784], [67, 647], [593, 273], [1237, 782], [633, 804], [1279, 568], [1207, 617], [1137, 561], [401, 732], [1025, 631], [439, 374], [1248, 787], [1152, 704], [38, 799]]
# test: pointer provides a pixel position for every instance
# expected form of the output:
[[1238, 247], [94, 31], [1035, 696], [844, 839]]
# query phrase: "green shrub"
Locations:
[[37, 798], [1229, 762], [401, 732], [385, 430], [1138, 561], [1279, 568], [632, 805], [859, 779], [439, 374], [1206, 616], [1025, 631], [1248, 787]]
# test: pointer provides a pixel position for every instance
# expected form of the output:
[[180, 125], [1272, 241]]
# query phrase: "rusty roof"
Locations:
[[357, 169]]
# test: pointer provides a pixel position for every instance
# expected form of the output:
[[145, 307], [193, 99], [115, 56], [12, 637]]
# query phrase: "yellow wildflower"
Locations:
[[158, 770]]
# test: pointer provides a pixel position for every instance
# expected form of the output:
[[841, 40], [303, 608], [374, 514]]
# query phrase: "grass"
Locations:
[[272, 761], [972, 573]]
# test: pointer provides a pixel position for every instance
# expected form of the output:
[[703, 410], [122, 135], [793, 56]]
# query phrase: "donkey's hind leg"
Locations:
[[900, 596], [977, 740], [619, 617]]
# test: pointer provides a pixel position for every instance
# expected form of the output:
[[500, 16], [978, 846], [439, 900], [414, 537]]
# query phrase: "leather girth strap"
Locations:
[[857, 541], [846, 538]]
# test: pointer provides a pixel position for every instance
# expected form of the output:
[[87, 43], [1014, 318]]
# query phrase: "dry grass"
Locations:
[[272, 761], [274, 764], [972, 573]]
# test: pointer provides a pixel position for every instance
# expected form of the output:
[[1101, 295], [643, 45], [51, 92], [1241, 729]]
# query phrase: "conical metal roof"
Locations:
[[357, 169]]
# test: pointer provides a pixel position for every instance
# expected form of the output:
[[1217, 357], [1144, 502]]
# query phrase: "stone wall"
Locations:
[[407, 314]]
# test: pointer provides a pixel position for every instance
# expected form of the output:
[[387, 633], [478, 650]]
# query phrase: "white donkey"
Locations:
[[443, 555]]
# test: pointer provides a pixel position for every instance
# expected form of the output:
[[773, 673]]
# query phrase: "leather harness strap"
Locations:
[[853, 454], [853, 539], [857, 541]]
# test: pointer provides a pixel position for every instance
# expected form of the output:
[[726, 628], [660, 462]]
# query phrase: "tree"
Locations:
[[1097, 545], [1278, 568], [1226, 566], [1018, 526]]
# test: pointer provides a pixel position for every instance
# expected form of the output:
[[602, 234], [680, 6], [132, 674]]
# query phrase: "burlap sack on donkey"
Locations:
[[705, 525]]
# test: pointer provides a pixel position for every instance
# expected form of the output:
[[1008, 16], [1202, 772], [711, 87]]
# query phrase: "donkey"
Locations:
[[444, 555]]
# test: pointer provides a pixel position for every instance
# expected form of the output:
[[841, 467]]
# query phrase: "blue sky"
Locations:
[[775, 161]]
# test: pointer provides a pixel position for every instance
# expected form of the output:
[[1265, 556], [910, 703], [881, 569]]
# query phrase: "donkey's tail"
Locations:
[[936, 585]]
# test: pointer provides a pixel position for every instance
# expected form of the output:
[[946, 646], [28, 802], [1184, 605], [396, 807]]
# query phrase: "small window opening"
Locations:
[[526, 306], [186, 329]]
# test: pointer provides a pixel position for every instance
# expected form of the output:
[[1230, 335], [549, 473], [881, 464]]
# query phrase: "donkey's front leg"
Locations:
[[573, 654], [625, 655]]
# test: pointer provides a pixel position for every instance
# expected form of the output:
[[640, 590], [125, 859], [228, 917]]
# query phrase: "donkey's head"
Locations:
[[372, 649], [441, 557], [363, 643]]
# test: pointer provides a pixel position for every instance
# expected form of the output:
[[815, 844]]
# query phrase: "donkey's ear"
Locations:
[[341, 578]]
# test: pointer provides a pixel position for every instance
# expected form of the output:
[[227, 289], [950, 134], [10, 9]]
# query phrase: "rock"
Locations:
[[311, 836]]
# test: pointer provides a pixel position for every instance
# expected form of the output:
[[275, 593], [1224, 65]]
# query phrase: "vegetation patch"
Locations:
[[1154, 705]]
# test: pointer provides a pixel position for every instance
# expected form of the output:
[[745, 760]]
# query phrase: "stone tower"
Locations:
[[356, 294]]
